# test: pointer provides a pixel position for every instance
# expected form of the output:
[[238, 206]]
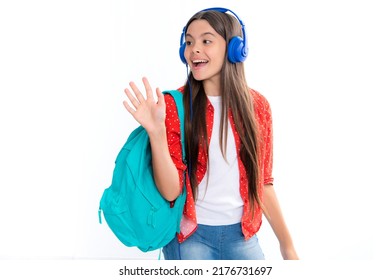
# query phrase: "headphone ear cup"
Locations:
[[181, 53], [237, 51]]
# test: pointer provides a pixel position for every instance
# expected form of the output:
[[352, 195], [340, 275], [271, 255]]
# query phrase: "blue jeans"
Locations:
[[215, 243]]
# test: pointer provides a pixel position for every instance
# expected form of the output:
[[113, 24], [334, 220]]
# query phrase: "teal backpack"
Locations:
[[132, 206]]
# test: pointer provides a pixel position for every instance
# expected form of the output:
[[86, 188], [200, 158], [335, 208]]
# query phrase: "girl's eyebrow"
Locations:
[[203, 34]]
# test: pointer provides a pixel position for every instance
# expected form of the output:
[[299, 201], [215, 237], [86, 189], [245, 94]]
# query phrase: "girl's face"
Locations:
[[205, 51]]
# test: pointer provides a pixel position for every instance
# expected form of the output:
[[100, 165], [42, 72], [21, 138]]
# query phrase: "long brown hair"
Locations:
[[236, 98]]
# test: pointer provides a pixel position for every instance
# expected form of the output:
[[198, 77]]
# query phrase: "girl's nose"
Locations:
[[195, 48]]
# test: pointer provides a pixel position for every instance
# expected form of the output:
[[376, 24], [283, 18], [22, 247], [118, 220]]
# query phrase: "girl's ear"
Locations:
[[237, 50]]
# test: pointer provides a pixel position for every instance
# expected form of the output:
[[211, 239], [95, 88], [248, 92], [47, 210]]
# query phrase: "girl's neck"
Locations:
[[211, 88]]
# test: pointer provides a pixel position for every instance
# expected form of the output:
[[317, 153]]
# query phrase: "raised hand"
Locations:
[[149, 113]]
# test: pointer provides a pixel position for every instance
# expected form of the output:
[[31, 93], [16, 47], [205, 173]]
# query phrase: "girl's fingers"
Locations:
[[137, 99], [148, 88], [132, 99], [160, 97], [137, 92], [128, 107]]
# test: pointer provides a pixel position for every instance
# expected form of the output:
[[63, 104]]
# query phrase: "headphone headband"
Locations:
[[237, 47]]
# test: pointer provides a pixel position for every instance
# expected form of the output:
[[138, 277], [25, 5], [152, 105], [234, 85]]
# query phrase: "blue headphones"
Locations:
[[237, 47]]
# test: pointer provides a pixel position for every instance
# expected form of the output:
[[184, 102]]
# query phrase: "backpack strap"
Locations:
[[178, 97]]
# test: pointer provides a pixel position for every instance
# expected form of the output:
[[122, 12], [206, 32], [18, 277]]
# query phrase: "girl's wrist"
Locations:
[[289, 253], [157, 133]]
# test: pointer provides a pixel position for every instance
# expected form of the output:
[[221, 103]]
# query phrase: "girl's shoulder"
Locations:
[[171, 109], [260, 102], [169, 100]]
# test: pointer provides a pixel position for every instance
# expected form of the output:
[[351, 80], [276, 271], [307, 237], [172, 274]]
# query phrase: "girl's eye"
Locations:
[[188, 43], [206, 42]]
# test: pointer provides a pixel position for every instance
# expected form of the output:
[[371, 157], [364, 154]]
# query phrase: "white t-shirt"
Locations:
[[219, 201]]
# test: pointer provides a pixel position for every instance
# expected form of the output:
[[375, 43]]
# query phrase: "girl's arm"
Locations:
[[151, 116], [164, 170], [276, 220]]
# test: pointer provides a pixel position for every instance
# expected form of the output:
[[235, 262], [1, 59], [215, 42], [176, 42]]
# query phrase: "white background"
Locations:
[[323, 66]]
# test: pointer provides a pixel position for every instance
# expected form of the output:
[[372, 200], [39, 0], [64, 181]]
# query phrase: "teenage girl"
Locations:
[[228, 130]]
